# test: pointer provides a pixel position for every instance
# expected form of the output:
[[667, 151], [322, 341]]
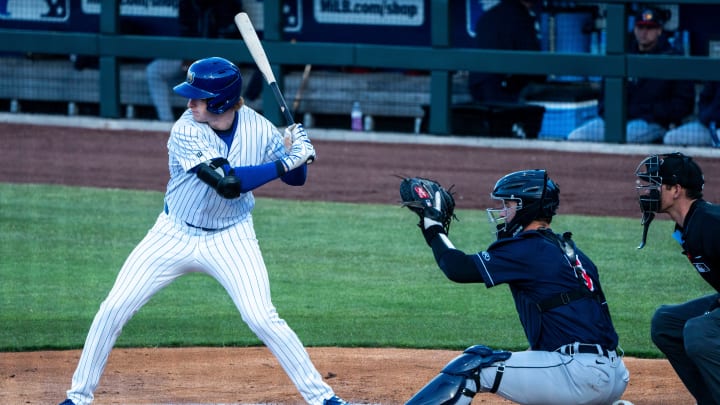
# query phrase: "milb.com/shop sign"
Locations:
[[367, 12]]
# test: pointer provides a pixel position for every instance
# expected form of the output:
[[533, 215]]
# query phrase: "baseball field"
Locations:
[[349, 269]]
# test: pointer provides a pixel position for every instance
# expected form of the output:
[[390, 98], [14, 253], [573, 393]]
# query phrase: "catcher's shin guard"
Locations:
[[459, 380]]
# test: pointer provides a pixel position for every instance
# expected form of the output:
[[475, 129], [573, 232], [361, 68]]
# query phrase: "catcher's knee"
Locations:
[[459, 380], [473, 359]]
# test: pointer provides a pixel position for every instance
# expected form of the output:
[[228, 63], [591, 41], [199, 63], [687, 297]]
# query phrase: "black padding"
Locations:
[[207, 174], [229, 187], [219, 162], [227, 184]]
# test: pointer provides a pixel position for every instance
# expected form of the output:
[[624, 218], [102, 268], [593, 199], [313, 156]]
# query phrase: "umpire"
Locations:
[[689, 333]]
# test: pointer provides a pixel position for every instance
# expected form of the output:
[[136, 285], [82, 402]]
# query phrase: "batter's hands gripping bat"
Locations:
[[242, 20]]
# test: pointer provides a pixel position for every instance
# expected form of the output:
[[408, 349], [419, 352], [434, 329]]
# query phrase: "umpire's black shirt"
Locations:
[[700, 239]]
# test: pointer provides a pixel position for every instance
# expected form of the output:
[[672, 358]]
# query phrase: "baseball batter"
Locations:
[[572, 358], [219, 151]]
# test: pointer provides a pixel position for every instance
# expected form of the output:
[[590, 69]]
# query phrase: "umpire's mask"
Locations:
[[648, 185]]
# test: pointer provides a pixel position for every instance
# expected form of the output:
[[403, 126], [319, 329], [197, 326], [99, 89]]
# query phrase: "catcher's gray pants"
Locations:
[[689, 336]]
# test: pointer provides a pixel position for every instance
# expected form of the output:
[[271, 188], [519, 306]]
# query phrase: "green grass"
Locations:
[[341, 275]]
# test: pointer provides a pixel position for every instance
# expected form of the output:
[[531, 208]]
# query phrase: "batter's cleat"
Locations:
[[335, 400], [67, 402]]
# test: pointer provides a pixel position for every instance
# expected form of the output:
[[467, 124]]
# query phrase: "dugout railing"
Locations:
[[440, 59]]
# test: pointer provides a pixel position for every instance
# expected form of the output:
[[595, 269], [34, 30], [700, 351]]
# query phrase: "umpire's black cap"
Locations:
[[677, 168]]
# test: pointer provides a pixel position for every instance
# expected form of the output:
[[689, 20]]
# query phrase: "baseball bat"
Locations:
[[242, 20]]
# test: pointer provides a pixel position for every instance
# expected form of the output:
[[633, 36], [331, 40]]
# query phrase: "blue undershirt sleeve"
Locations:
[[295, 177], [252, 177]]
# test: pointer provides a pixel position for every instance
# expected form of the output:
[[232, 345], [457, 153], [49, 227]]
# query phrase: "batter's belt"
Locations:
[[167, 212]]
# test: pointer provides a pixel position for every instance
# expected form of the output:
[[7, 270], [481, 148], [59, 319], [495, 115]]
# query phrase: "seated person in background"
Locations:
[[653, 104], [697, 132], [509, 25]]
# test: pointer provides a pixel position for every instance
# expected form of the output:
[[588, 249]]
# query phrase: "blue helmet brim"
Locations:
[[187, 90]]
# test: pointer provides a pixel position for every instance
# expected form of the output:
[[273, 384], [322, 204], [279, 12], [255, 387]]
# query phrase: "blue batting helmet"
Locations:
[[214, 79]]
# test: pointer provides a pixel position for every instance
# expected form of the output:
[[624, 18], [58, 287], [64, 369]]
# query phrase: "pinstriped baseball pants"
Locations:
[[232, 256]]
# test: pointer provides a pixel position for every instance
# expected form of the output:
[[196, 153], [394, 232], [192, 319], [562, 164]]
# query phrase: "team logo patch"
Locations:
[[190, 77], [421, 192], [580, 272], [588, 281], [647, 16], [485, 256]]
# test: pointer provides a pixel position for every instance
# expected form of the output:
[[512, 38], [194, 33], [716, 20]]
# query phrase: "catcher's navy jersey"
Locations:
[[700, 240], [537, 270]]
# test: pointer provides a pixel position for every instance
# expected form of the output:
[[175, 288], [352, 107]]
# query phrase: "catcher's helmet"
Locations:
[[214, 79], [537, 196]]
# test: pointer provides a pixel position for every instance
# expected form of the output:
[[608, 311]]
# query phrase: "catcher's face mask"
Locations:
[[500, 217], [648, 186]]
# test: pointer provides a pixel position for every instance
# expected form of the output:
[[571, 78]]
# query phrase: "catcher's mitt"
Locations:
[[418, 194]]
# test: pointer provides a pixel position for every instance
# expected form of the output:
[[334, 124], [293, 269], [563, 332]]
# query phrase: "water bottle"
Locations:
[[308, 120], [368, 123], [356, 122]]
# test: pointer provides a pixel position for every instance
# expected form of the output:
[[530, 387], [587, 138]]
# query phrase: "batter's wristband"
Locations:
[[280, 167], [431, 233]]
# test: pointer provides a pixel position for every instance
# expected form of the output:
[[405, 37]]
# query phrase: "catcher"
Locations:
[[572, 357]]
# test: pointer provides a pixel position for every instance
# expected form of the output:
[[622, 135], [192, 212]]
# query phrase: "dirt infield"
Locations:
[[252, 375], [594, 184]]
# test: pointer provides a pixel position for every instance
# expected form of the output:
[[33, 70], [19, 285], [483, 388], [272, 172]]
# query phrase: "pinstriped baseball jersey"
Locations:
[[201, 231], [256, 141]]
